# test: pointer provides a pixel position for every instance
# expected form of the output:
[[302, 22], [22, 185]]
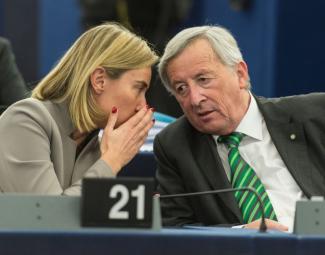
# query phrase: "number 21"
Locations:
[[116, 210]]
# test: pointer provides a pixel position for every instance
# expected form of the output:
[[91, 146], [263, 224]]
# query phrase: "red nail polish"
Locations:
[[152, 109], [114, 109], [153, 120]]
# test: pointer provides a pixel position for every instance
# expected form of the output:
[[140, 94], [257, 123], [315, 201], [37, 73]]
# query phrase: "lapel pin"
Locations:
[[293, 136]]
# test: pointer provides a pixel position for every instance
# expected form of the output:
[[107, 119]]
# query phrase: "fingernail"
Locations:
[[152, 109], [114, 109], [153, 120]]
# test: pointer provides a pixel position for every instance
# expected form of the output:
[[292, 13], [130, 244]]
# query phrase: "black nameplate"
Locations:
[[117, 202]]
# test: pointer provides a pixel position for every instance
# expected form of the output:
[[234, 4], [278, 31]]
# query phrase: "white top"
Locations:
[[258, 150]]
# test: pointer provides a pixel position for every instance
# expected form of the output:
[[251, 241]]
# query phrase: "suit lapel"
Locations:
[[60, 113], [68, 155], [211, 166], [289, 139], [290, 143], [88, 155]]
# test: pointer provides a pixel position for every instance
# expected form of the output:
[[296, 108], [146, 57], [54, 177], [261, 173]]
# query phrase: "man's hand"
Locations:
[[270, 224]]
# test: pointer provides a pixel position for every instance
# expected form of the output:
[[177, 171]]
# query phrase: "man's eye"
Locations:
[[203, 80], [181, 89]]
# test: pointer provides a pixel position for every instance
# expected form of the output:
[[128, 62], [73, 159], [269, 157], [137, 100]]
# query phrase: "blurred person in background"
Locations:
[[12, 85]]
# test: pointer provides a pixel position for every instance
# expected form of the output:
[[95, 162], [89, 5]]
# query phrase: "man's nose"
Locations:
[[196, 95]]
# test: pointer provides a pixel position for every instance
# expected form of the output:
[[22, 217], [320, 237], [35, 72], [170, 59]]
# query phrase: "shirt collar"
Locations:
[[251, 124]]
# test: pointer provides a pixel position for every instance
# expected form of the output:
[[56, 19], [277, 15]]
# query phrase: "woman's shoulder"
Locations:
[[28, 105], [29, 108]]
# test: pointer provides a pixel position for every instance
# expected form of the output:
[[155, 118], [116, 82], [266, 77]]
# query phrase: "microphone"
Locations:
[[262, 227]]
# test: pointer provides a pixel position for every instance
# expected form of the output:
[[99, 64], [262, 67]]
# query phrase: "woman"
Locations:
[[49, 142]]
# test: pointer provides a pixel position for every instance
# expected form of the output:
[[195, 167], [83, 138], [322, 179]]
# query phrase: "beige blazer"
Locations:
[[37, 154]]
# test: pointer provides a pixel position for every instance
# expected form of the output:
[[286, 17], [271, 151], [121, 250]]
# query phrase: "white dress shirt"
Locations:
[[258, 150]]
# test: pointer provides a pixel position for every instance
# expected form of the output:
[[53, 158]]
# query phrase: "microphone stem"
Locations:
[[262, 228]]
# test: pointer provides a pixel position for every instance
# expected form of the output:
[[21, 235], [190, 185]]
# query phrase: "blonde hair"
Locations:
[[110, 46]]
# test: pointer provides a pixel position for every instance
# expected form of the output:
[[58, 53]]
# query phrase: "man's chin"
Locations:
[[208, 129]]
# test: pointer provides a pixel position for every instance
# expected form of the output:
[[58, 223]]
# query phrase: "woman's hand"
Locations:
[[118, 146]]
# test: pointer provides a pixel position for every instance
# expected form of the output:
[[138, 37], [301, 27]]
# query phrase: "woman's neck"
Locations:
[[78, 137]]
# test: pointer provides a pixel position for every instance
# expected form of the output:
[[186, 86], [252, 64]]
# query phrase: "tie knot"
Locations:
[[231, 140]]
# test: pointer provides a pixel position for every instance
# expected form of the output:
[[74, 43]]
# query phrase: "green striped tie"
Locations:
[[242, 175]]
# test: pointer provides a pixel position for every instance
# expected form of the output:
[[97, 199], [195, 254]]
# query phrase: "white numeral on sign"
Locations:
[[139, 194], [116, 210]]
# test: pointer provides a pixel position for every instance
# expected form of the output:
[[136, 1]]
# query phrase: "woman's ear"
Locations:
[[97, 80]]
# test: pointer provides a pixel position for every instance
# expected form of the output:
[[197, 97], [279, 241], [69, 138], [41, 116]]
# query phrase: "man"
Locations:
[[12, 85], [231, 138]]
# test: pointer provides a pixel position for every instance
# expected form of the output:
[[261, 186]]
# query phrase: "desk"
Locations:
[[167, 241]]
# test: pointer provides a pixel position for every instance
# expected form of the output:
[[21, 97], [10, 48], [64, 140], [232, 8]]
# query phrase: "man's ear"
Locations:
[[97, 80], [242, 72]]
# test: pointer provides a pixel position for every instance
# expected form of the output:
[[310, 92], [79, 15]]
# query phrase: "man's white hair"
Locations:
[[221, 40]]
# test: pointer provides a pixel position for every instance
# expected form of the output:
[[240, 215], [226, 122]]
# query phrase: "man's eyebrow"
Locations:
[[176, 82], [203, 72]]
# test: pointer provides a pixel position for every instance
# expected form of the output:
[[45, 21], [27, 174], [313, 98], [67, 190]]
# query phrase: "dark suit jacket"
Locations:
[[188, 160], [12, 85]]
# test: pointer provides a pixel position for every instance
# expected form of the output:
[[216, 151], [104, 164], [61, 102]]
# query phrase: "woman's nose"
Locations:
[[142, 104]]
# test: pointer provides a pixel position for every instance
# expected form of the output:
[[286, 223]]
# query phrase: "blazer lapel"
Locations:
[[289, 139], [88, 155], [60, 113], [211, 166]]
